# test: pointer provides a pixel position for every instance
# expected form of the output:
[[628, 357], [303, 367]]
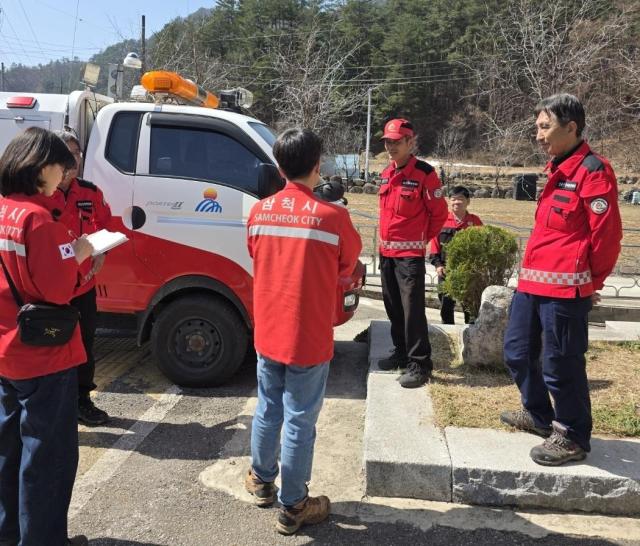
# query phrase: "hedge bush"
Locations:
[[478, 257]]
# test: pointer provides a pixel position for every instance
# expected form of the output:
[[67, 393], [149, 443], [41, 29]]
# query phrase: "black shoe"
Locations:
[[523, 420], [414, 377], [396, 360], [79, 540], [557, 449], [89, 415]]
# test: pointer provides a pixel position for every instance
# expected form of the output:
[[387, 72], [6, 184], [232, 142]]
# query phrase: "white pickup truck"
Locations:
[[181, 181]]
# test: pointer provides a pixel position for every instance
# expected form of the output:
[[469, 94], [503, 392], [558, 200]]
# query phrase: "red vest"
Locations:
[[412, 209], [83, 210], [37, 252], [449, 229], [301, 248], [575, 241]]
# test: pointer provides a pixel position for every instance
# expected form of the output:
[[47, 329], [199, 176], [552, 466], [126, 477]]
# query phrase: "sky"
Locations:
[[38, 31]]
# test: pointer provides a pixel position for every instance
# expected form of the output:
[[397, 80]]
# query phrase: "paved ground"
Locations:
[[167, 470]]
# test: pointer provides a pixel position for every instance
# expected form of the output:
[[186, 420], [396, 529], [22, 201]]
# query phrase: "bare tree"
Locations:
[[450, 145], [187, 54], [541, 47], [312, 87]]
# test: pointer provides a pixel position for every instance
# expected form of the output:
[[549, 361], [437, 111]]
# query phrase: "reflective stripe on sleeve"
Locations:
[[403, 245], [12, 246], [295, 233], [553, 277]]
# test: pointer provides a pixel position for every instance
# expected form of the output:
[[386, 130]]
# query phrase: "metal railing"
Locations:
[[624, 281]]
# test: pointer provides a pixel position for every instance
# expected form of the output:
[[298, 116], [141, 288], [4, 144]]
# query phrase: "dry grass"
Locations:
[[464, 396]]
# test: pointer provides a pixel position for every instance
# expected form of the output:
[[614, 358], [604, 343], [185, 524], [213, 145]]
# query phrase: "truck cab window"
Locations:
[[203, 155], [123, 139]]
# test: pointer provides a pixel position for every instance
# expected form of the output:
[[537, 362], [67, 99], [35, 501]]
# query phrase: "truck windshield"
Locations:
[[265, 132]]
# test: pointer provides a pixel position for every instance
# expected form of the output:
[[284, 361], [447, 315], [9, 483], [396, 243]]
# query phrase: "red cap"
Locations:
[[397, 128]]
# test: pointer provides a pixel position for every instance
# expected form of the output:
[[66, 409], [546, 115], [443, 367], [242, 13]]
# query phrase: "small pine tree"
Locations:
[[478, 257]]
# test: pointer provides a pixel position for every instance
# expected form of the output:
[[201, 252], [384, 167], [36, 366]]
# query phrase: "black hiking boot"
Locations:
[[523, 420], [415, 376], [89, 414], [395, 360], [557, 449]]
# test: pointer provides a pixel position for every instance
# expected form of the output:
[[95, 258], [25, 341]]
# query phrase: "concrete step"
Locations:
[[627, 328], [406, 455]]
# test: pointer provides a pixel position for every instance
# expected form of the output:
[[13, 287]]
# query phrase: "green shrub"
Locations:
[[478, 257]]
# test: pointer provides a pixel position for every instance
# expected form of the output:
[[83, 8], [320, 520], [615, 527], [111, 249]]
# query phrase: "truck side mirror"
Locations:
[[269, 180]]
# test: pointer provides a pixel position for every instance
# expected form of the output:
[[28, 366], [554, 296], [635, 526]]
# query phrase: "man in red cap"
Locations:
[[412, 211]]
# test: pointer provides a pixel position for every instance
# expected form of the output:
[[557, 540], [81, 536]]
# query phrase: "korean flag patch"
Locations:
[[66, 251], [599, 205]]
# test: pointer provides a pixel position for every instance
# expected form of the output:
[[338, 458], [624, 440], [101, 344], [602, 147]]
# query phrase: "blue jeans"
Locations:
[[292, 395], [38, 457], [557, 328]]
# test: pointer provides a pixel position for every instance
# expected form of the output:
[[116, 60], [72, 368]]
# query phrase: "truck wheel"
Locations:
[[199, 341]]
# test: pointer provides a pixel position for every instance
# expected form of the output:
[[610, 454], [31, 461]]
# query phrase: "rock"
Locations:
[[482, 342], [358, 182], [481, 193], [356, 189], [508, 194], [496, 193], [336, 178], [370, 188]]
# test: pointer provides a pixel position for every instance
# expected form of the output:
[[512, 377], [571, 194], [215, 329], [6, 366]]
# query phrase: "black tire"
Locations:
[[199, 341]]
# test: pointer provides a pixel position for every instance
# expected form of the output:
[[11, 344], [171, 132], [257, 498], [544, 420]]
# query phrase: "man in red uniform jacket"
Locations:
[[573, 247], [412, 211], [81, 207], [301, 247], [459, 218]]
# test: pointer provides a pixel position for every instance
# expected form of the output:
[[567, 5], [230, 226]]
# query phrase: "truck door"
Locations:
[[196, 181]]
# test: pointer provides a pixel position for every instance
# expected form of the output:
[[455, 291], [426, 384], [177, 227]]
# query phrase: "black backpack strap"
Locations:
[[14, 290]]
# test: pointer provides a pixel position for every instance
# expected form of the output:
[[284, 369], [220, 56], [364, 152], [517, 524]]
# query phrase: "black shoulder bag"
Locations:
[[43, 324]]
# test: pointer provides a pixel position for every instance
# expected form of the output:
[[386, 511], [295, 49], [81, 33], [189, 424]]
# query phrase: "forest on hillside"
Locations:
[[468, 73]]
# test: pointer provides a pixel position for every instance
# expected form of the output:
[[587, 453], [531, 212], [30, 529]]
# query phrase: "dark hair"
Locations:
[[297, 151], [25, 157], [460, 190], [565, 108], [67, 136]]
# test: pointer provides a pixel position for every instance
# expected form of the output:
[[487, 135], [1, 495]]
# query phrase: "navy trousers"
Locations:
[[544, 347], [38, 457]]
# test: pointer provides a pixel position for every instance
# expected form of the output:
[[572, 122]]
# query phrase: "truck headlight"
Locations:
[[350, 300]]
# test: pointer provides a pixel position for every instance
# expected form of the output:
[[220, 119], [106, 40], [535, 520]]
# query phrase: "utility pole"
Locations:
[[366, 157], [2, 77], [143, 58]]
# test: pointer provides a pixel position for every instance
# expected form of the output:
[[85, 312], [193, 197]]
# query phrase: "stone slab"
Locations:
[[493, 467], [405, 455], [627, 328]]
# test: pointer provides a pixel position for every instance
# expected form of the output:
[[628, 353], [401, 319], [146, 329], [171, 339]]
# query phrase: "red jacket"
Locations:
[[449, 229], [82, 209], [37, 252], [576, 237], [301, 248], [412, 209]]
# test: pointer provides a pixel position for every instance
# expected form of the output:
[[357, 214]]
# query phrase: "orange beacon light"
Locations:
[[161, 81]]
